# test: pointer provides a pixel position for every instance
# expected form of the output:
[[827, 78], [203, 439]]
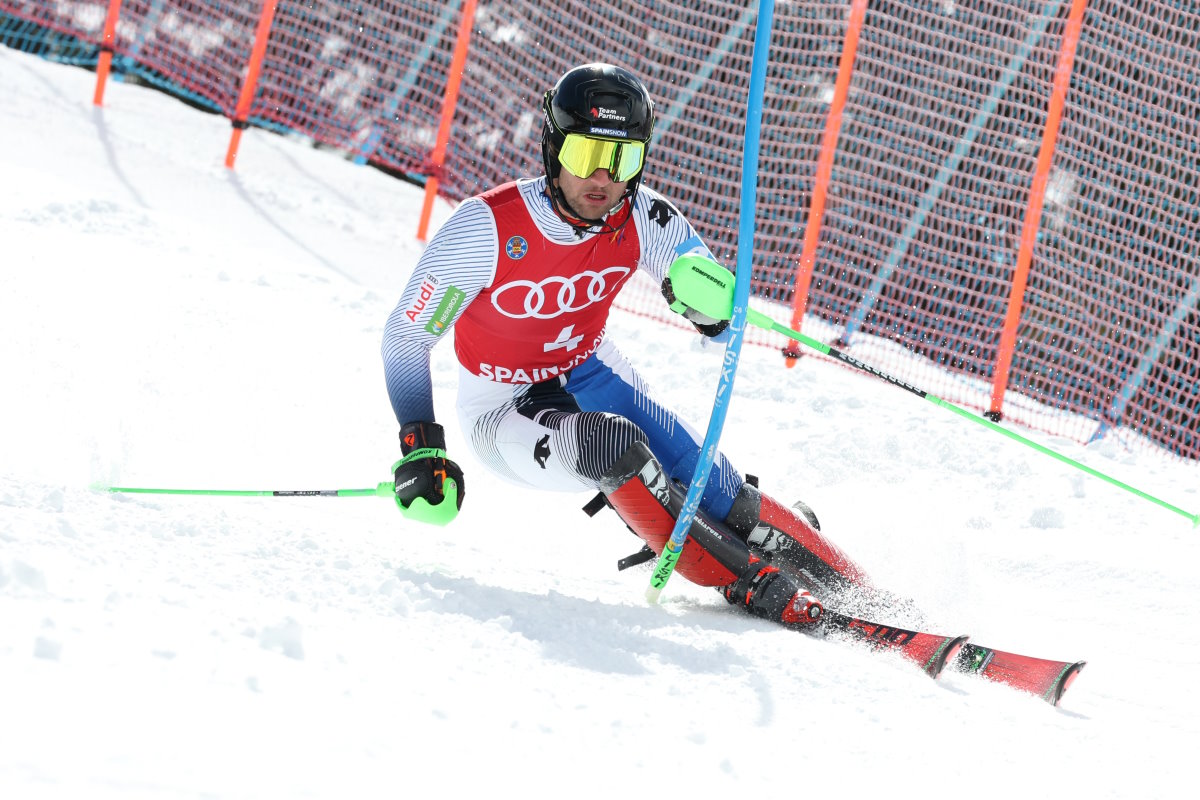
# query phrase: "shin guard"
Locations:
[[649, 503], [787, 538], [645, 499]]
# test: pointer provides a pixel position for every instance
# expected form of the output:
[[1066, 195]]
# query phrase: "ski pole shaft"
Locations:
[[758, 319], [384, 489], [737, 324]]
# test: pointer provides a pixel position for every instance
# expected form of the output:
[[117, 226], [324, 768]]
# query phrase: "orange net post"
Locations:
[[242, 113], [107, 45], [1037, 200], [438, 157], [829, 141]]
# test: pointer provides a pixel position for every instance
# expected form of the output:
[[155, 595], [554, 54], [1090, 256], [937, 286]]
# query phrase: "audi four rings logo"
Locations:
[[558, 294]]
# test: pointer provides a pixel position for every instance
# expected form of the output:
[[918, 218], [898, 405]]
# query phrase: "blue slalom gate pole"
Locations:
[[741, 296]]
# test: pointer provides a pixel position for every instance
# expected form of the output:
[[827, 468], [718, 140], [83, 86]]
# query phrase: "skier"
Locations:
[[525, 274]]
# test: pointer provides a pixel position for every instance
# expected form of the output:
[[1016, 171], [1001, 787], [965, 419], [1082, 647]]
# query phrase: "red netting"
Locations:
[[932, 171]]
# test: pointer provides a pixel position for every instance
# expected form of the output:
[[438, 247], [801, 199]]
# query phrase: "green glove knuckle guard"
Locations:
[[429, 487]]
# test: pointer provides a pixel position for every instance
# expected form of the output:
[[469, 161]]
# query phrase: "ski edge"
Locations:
[[1068, 675]]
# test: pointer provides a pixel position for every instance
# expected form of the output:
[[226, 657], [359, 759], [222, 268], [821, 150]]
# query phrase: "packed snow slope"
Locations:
[[167, 322]]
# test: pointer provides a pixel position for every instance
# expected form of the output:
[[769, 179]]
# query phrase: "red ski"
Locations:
[[822, 569], [930, 651], [934, 652], [1044, 677]]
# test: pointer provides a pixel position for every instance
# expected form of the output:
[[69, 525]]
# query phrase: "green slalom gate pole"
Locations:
[[384, 489], [710, 290], [739, 305]]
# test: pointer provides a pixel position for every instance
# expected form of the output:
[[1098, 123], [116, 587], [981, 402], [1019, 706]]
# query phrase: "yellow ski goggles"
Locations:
[[582, 155]]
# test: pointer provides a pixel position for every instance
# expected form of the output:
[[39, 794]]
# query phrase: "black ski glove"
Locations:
[[707, 325], [429, 486]]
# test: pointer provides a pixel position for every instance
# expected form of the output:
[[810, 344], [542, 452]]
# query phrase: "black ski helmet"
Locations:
[[600, 101]]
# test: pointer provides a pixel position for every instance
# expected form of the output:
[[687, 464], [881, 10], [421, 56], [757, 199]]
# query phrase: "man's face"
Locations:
[[591, 197]]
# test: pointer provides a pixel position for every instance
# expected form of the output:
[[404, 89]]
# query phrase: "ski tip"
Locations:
[[945, 654], [1063, 682]]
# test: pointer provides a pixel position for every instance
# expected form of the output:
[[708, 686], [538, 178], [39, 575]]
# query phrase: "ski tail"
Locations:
[[1043, 677], [930, 651]]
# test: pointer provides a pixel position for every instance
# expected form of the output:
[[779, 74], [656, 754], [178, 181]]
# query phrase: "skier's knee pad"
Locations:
[[793, 539], [649, 503]]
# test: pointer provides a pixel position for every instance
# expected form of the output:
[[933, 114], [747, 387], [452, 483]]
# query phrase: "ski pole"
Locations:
[[737, 321], [710, 292], [761, 320], [384, 489]]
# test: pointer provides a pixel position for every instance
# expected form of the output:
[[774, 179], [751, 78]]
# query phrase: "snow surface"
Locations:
[[166, 322]]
